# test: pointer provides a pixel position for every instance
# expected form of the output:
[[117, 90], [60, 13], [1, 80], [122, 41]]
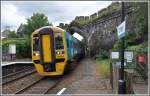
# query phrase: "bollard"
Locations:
[[122, 87]]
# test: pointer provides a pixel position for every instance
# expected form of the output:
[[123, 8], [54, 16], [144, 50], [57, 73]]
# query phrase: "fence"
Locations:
[[114, 77], [8, 57]]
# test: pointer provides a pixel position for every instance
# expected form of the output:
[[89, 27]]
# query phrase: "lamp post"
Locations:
[[122, 83]]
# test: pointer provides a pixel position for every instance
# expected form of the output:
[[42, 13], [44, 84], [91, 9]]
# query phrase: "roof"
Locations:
[[5, 33], [55, 29]]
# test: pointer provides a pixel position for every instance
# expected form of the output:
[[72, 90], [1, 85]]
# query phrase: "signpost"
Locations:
[[121, 35]]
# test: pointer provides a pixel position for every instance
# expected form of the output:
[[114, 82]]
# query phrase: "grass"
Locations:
[[104, 67]]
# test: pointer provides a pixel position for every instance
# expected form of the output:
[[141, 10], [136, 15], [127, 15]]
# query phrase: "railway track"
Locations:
[[17, 84], [40, 87], [17, 75], [14, 68], [29, 83]]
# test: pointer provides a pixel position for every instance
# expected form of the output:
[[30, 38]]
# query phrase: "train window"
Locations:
[[58, 41], [68, 42], [36, 44]]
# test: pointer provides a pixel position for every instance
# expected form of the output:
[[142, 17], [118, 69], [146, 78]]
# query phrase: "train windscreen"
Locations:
[[36, 44], [58, 41]]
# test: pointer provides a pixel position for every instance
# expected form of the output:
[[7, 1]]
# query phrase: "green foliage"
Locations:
[[133, 40], [117, 45], [140, 48], [113, 7], [77, 24], [104, 54], [24, 48], [63, 26], [20, 46], [140, 17], [104, 67], [102, 13], [12, 34], [12, 41], [34, 22]]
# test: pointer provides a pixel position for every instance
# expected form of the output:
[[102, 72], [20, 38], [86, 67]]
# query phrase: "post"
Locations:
[[122, 83]]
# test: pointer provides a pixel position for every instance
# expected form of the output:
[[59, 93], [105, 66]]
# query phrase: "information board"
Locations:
[[115, 55], [12, 49], [129, 56]]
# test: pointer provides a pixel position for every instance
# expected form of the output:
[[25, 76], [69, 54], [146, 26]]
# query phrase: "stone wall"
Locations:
[[102, 33], [93, 16], [113, 7]]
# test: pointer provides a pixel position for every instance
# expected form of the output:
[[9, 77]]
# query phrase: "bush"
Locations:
[[104, 67], [117, 45], [140, 48], [23, 49]]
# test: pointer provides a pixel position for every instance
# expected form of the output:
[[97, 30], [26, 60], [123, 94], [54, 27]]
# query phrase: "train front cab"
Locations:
[[49, 51]]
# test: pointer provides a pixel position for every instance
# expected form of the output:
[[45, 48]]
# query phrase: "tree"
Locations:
[[66, 25], [12, 34], [36, 21], [140, 17], [61, 25]]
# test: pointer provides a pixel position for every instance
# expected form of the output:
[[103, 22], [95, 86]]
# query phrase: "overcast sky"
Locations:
[[13, 13]]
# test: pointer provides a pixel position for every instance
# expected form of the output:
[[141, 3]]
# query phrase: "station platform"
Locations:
[[15, 62]]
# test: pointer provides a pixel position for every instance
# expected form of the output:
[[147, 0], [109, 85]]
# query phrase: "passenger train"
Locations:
[[54, 50]]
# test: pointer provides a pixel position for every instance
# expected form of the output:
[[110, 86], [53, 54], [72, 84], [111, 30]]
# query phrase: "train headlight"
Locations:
[[58, 52], [37, 54]]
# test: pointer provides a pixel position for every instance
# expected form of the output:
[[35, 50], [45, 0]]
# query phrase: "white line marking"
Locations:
[[9, 63], [61, 91]]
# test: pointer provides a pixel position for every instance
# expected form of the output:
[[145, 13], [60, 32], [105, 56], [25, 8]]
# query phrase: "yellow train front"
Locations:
[[53, 49]]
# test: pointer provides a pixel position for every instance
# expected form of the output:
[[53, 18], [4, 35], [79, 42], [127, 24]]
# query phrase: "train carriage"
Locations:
[[53, 49]]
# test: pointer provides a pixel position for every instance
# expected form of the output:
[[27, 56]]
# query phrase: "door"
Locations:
[[47, 51], [46, 48]]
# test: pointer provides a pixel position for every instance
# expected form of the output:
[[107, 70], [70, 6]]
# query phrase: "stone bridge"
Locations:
[[102, 34]]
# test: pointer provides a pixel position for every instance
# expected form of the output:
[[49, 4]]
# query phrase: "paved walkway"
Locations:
[[90, 82], [84, 80]]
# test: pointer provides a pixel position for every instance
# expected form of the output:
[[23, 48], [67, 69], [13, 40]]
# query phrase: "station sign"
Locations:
[[129, 56], [115, 55], [141, 59], [121, 30], [12, 49]]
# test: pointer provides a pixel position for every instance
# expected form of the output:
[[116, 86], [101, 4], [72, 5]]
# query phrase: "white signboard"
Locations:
[[129, 56], [115, 55], [121, 30], [12, 49]]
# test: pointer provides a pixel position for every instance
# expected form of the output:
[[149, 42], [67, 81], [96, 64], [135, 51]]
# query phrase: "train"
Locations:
[[55, 51]]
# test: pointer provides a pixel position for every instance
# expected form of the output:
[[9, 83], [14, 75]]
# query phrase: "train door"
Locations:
[[47, 51]]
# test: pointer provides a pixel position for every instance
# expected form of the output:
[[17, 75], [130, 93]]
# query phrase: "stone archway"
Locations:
[[73, 30]]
